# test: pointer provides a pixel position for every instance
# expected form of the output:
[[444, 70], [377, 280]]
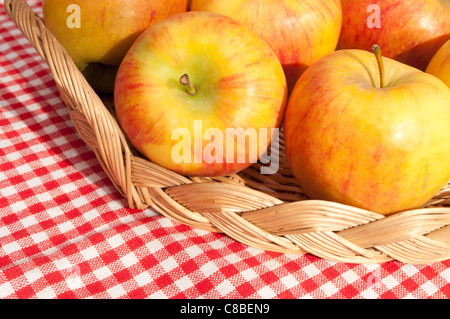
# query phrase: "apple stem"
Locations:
[[377, 51], [184, 80]]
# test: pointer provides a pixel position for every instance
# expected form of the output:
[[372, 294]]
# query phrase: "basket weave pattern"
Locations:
[[268, 212]]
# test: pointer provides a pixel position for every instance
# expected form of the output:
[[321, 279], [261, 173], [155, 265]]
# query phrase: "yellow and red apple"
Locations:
[[199, 74], [409, 31], [349, 140], [440, 64], [300, 32], [97, 34]]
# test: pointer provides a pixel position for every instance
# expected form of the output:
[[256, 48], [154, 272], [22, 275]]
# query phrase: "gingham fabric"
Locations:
[[65, 232]]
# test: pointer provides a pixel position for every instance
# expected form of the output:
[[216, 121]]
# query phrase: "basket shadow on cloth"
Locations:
[[268, 212]]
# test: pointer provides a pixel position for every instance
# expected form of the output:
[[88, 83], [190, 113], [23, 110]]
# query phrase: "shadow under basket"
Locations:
[[268, 212]]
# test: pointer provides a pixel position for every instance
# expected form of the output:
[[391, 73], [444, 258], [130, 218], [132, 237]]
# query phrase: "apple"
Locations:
[[300, 32], [369, 132], [97, 34], [409, 31], [440, 64], [189, 84]]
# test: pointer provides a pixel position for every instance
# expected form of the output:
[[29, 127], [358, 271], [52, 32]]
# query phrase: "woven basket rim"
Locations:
[[266, 212]]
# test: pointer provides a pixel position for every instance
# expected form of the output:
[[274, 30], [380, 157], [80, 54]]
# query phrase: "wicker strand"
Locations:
[[268, 212]]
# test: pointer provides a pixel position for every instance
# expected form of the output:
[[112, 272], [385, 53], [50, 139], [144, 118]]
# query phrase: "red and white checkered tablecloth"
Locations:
[[65, 232]]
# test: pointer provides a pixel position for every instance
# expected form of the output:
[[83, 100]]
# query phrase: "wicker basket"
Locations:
[[268, 212]]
